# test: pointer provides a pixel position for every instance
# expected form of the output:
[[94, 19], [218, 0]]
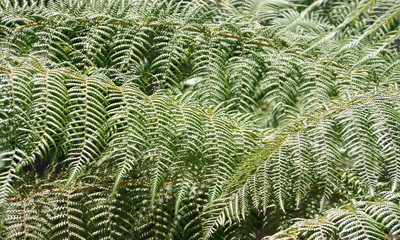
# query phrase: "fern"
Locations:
[[357, 220], [198, 119]]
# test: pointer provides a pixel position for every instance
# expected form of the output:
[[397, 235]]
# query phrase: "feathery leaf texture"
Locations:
[[164, 119]]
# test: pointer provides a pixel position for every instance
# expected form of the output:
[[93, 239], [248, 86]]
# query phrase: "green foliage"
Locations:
[[164, 119], [371, 219]]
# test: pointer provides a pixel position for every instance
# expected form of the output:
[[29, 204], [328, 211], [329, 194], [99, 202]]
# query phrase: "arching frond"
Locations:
[[358, 220], [165, 119]]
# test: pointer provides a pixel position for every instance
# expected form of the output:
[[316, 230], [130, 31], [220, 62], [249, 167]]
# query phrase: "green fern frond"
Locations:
[[360, 220], [167, 119], [87, 124]]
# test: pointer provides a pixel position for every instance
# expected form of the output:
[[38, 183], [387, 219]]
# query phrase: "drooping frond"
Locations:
[[377, 219], [165, 119], [313, 154]]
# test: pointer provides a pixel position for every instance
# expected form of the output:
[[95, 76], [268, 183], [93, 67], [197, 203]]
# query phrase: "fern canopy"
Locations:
[[165, 119]]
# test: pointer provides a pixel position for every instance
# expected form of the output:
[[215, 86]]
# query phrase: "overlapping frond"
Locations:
[[311, 156], [371, 219], [164, 119]]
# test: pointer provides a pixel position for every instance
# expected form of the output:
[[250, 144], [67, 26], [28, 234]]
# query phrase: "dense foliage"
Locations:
[[199, 119]]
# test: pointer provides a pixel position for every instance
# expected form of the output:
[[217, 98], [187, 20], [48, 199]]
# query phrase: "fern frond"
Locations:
[[160, 152], [87, 125], [359, 220], [143, 119], [325, 157], [67, 216], [128, 140]]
